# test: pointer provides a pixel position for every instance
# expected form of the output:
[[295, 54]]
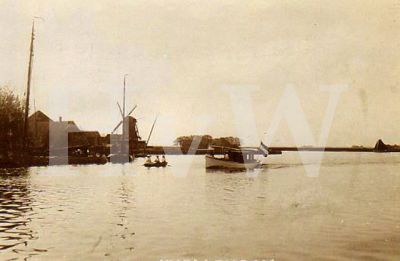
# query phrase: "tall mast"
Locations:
[[123, 118], [28, 89], [123, 105]]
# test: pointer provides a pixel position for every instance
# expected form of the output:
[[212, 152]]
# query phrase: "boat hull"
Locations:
[[216, 163], [156, 164], [40, 161], [73, 160]]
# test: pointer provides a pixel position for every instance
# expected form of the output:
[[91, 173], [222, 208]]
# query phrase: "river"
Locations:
[[350, 210]]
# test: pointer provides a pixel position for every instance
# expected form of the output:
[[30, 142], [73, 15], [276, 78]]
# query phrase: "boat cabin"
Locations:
[[233, 158], [235, 154], [240, 156]]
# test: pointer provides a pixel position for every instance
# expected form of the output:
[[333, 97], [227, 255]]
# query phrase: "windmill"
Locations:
[[122, 115], [123, 119]]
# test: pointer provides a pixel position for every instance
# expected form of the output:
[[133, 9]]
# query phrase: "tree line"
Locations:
[[11, 123], [206, 141]]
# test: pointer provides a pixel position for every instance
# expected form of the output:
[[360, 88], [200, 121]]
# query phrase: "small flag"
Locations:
[[264, 149]]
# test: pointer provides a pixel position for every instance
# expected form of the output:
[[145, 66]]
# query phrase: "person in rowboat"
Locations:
[[148, 160], [157, 160]]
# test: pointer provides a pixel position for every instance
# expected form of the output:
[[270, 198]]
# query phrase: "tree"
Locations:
[[185, 142], [205, 141], [232, 142], [11, 122]]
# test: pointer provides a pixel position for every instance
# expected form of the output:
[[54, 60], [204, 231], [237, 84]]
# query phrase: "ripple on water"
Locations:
[[347, 212], [15, 214]]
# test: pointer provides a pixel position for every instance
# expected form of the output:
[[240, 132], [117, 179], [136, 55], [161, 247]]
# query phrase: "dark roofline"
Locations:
[[41, 114]]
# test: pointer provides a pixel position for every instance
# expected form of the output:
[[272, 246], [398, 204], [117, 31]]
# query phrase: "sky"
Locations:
[[216, 67]]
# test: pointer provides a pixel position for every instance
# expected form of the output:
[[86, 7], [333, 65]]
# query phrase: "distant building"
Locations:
[[60, 134], [84, 138], [67, 134], [136, 144], [93, 138], [40, 136], [135, 141], [39, 130]]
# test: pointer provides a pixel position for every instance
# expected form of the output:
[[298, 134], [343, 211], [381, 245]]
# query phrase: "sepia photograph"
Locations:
[[182, 130]]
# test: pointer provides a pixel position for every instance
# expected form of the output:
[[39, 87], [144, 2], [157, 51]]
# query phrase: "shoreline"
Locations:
[[39, 161]]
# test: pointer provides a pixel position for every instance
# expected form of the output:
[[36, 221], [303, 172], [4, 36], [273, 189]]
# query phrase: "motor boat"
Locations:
[[233, 158]]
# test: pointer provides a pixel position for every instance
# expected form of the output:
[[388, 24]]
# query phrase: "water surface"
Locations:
[[351, 210]]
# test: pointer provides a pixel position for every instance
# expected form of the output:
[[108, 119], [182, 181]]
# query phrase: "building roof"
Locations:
[[93, 134], [39, 116], [69, 126]]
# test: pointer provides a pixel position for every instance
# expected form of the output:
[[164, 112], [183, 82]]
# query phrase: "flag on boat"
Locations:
[[264, 149]]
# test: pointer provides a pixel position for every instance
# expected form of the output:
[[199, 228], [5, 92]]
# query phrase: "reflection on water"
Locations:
[[128, 212], [16, 213]]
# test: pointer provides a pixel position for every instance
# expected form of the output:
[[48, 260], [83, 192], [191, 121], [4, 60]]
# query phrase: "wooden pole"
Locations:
[[151, 131], [123, 118], [28, 90]]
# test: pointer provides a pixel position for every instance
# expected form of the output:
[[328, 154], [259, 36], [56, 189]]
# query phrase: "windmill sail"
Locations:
[[151, 131], [120, 123]]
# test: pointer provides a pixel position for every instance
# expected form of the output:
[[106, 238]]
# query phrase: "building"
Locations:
[[38, 130], [44, 133], [136, 144]]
